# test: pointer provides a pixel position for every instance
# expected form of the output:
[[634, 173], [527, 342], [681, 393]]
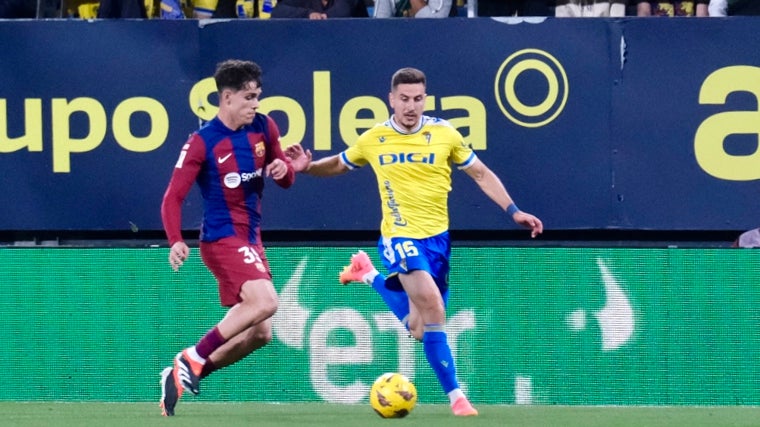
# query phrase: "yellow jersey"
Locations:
[[413, 171]]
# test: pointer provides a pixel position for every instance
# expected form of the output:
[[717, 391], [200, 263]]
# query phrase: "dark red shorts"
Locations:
[[234, 261]]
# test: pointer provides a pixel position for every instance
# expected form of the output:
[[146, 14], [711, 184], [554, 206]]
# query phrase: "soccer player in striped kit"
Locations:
[[229, 158], [412, 155]]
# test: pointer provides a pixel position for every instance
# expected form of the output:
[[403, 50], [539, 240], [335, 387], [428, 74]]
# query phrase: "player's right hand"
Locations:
[[299, 158], [178, 254]]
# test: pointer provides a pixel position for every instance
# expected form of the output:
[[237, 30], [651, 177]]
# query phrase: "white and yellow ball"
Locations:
[[392, 395]]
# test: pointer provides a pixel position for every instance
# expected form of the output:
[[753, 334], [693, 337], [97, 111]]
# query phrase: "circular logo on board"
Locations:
[[548, 88]]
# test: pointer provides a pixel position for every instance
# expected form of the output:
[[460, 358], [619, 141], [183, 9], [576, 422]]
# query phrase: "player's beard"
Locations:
[[410, 120]]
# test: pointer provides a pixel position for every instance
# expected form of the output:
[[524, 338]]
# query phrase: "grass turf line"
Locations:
[[191, 414]]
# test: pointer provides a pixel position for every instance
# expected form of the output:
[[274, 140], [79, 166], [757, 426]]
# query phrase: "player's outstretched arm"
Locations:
[[302, 162], [328, 166], [495, 190]]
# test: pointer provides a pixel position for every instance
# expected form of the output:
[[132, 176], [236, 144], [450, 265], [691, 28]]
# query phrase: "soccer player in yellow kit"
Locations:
[[412, 156]]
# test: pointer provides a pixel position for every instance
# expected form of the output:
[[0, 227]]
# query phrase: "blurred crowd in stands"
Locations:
[[328, 9]]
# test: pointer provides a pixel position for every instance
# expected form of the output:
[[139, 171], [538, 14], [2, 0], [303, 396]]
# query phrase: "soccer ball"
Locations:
[[392, 395]]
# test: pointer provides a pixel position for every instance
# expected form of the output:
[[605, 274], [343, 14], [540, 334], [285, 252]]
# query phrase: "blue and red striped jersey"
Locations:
[[228, 166]]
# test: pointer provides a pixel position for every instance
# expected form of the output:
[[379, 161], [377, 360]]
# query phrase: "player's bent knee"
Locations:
[[269, 308], [416, 330], [263, 337]]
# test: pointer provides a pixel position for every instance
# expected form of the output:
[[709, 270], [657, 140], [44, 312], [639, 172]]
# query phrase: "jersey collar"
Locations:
[[400, 129]]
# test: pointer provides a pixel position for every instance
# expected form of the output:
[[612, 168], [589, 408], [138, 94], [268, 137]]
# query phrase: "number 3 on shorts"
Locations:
[[250, 255]]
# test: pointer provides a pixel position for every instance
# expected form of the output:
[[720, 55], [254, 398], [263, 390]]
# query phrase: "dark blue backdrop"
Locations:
[[592, 124]]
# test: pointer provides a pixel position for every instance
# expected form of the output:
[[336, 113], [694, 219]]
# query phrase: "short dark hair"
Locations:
[[408, 76], [235, 74]]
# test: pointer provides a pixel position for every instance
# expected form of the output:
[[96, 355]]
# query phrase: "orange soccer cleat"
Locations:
[[463, 408], [360, 266]]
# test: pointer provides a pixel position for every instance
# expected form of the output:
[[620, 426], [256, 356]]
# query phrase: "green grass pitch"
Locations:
[[191, 414]]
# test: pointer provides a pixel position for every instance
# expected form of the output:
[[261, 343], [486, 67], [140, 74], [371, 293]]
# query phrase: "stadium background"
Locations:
[[645, 129]]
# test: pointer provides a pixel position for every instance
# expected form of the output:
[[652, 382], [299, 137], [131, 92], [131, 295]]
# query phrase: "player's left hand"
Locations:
[[529, 221], [277, 169], [299, 158]]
